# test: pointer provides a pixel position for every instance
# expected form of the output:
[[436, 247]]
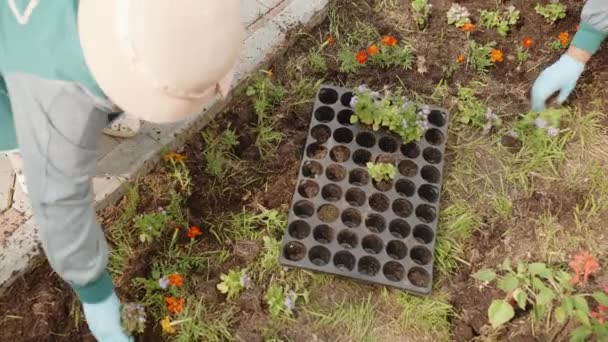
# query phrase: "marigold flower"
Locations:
[[583, 265], [193, 232], [564, 38], [527, 42], [460, 59], [175, 157], [175, 305], [468, 27], [373, 50], [167, 326], [361, 57], [176, 280], [389, 41], [330, 40], [496, 56]]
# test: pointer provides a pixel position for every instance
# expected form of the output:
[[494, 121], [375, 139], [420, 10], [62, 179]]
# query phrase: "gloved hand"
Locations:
[[103, 319], [561, 76]]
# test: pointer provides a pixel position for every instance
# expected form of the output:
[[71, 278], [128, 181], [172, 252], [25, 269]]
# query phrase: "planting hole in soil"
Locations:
[[328, 213], [344, 261], [308, 189], [379, 202], [383, 186], [328, 96], [312, 169], [335, 173], [432, 155], [339, 154], [423, 234], [387, 159], [344, 117], [323, 234], [319, 255], [351, 218], [421, 255], [410, 150], [368, 266], [437, 118], [299, 230], [388, 144], [430, 174], [320, 133], [358, 177], [324, 114], [355, 197], [345, 99], [294, 251], [408, 168], [403, 208], [429, 193], [366, 139], [316, 151], [393, 271], [405, 187], [372, 244], [434, 136], [426, 213], [331, 193], [375, 223], [396, 250], [347, 239], [362, 157], [343, 135], [419, 277], [399, 228], [304, 209]]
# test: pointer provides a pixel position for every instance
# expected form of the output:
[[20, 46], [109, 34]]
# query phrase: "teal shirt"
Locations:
[[47, 46]]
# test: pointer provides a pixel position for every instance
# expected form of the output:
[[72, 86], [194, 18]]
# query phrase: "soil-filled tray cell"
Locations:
[[343, 222]]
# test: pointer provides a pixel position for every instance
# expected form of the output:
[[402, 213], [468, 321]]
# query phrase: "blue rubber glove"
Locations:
[[561, 76], [103, 319]]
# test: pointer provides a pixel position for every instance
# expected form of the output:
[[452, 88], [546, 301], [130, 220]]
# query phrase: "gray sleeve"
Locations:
[[595, 13]]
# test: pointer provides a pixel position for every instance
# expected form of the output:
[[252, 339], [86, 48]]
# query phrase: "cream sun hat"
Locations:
[[161, 60]]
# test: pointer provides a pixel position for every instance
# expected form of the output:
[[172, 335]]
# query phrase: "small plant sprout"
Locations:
[[458, 15], [150, 226], [233, 283], [133, 318], [381, 171], [547, 121], [471, 111], [552, 11], [501, 22], [282, 302], [523, 53], [421, 9], [390, 111]]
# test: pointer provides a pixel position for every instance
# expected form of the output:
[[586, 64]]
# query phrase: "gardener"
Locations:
[[66, 64], [563, 75]]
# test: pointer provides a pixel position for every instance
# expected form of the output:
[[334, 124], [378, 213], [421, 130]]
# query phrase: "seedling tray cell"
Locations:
[[343, 223]]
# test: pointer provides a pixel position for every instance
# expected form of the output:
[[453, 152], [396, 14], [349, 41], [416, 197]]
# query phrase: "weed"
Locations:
[[522, 55], [233, 283], [381, 171], [317, 61], [265, 95], [424, 315], [217, 152], [479, 56], [501, 22], [421, 8], [281, 302], [250, 226], [179, 171], [552, 12], [361, 34], [354, 320], [502, 206], [471, 111], [198, 324]]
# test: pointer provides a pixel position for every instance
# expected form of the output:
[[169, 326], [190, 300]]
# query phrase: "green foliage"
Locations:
[[270, 256], [150, 226], [232, 284], [394, 56], [500, 312], [471, 111], [217, 152], [381, 171], [479, 56], [133, 318], [317, 61], [458, 15], [557, 45], [547, 122], [501, 22], [457, 224], [390, 111], [552, 12], [348, 61], [522, 55], [276, 299], [421, 8]]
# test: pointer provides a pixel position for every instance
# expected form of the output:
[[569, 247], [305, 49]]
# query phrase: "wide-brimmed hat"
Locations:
[[161, 60]]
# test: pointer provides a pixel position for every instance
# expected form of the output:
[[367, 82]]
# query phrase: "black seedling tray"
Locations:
[[342, 222]]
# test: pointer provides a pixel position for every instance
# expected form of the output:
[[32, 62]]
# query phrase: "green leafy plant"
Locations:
[[501, 22], [390, 111], [394, 56], [281, 301], [150, 226], [233, 283], [381, 171], [458, 15], [133, 318], [471, 111], [552, 12], [522, 55], [266, 94], [348, 61], [217, 152], [421, 8], [317, 61], [547, 122], [479, 56]]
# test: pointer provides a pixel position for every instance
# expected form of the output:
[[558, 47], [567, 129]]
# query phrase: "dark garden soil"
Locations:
[[40, 307]]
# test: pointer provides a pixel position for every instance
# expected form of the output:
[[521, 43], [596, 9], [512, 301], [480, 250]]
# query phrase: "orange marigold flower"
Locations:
[[175, 305], [389, 41], [193, 232], [175, 157], [330, 40], [468, 27], [361, 57], [373, 50], [496, 56], [583, 265], [564, 38], [176, 280], [460, 59], [527, 42]]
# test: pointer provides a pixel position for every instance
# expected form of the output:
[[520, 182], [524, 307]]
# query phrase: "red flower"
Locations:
[[175, 305], [460, 59], [583, 265], [564, 38], [176, 280], [468, 27], [389, 41], [373, 50], [527, 42], [330, 40], [361, 57], [193, 232]]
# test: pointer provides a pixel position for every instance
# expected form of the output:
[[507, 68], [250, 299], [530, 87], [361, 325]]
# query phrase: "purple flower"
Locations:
[[289, 303], [163, 283], [426, 110], [540, 123], [490, 114], [487, 128], [552, 132], [245, 280], [353, 101], [362, 88]]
